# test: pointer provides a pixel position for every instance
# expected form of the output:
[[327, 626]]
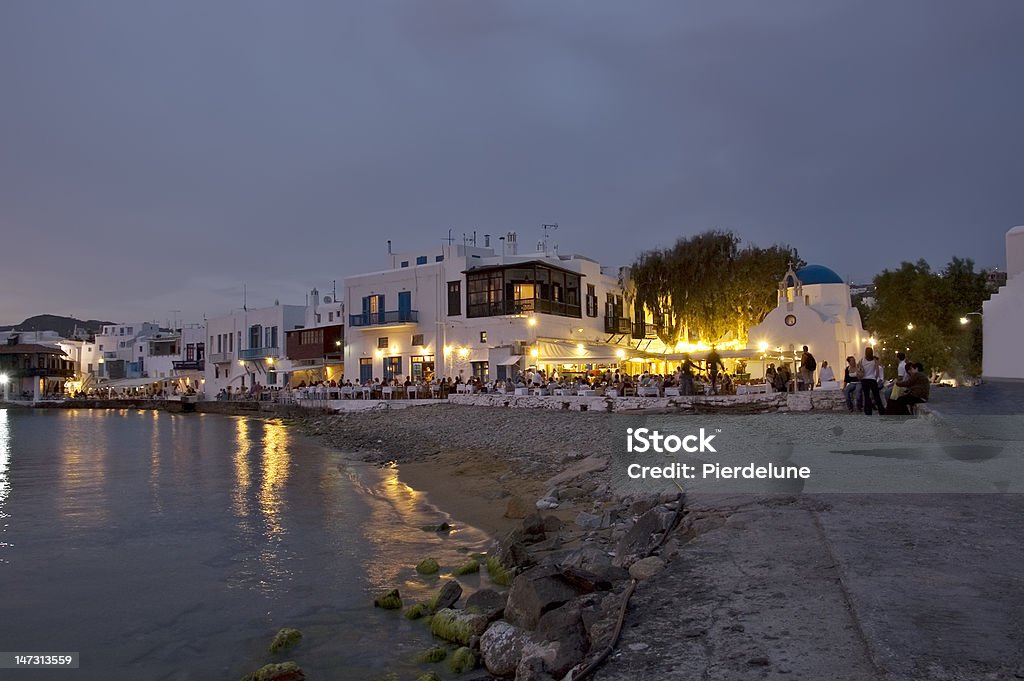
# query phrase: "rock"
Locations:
[[429, 676], [644, 503], [457, 626], [389, 601], [285, 639], [539, 590], [552, 523], [532, 665], [447, 596], [442, 528], [462, 661], [487, 602], [501, 646], [564, 628], [428, 566], [435, 654], [589, 465], [546, 503], [588, 521], [468, 568], [533, 528], [517, 507], [513, 553], [643, 537], [414, 612], [570, 493], [284, 671], [645, 568]]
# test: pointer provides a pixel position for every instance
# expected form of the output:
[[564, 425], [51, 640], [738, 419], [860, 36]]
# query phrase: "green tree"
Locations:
[[920, 309], [707, 286]]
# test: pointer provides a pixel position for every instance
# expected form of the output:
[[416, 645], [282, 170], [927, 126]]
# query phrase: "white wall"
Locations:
[[1003, 317], [224, 366]]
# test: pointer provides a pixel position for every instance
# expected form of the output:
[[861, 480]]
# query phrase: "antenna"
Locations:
[[449, 237], [244, 299]]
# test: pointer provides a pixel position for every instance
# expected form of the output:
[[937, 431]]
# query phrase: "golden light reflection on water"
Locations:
[[83, 471], [272, 469], [154, 464], [394, 511], [242, 481], [5, 459]]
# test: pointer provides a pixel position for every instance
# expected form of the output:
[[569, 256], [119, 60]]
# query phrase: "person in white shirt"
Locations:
[[869, 369], [826, 374]]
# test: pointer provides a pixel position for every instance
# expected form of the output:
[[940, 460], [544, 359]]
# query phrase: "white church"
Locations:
[[1003, 317], [815, 310]]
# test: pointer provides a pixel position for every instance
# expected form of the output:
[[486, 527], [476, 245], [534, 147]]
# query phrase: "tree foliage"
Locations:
[[708, 286], [920, 309]]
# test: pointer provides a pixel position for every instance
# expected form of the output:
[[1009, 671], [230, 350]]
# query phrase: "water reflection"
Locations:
[[83, 501], [154, 463], [5, 478], [274, 475]]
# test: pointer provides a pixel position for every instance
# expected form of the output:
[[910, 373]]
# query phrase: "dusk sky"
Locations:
[[158, 156]]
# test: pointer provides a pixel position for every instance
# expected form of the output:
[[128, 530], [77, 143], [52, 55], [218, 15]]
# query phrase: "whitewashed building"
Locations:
[[1003, 317], [244, 347], [814, 309], [122, 349], [486, 311]]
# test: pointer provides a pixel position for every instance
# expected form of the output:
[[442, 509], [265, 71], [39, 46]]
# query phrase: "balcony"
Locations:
[[523, 307], [617, 325], [188, 365], [221, 357], [389, 318], [254, 354]]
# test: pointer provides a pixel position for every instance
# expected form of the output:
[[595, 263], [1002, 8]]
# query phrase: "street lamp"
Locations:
[[965, 320], [5, 381]]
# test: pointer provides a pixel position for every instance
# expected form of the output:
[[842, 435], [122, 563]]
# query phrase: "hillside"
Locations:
[[65, 326]]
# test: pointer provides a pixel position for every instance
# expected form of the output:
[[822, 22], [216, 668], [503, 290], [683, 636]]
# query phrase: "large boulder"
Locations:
[[545, 588], [501, 647], [643, 537], [518, 507], [645, 568], [448, 596], [457, 626], [565, 628], [282, 671], [487, 602]]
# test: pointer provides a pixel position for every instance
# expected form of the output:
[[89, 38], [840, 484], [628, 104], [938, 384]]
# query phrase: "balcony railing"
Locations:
[[221, 357], [188, 365], [259, 353], [616, 325], [383, 318], [525, 306]]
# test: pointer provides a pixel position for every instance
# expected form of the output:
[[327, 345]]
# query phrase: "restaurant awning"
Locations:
[[586, 353], [509, 361], [306, 367]]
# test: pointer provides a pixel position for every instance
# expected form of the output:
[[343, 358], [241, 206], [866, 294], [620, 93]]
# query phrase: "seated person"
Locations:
[[916, 388]]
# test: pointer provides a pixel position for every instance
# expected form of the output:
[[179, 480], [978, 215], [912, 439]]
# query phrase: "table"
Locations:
[[587, 393], [648, 392], [522, 391], [671, 392]]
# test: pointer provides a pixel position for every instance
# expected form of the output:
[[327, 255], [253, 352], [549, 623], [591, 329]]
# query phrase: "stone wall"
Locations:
[[817, 400]]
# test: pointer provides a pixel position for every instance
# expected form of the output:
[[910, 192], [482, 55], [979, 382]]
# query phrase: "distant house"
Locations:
[[33, 371]]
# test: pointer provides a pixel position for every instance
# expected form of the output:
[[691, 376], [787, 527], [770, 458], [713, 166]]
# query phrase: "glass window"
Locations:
[[392, 368], [405, 263], [454, 298], [382, 342], [421, 260], [483, 336]]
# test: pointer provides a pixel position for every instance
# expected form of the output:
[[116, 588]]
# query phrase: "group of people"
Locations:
[[864, 384]]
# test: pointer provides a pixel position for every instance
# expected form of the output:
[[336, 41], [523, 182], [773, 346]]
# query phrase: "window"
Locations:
[[317, 317], [417, 339], [483, 336], [405, 263], [130, 330], [392, 368], [200, 352], [382, 343], [439, 258], [421, 260], [480, 370], [591, 300], [454, 298], [101, 348], [422, 367], [271, 378], [330, 316], [365, 369], [255, 337]]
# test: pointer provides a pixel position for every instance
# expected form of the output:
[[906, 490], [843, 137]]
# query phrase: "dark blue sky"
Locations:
[[156, 156]]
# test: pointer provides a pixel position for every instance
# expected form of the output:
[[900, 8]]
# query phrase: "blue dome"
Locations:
[[818, 274]]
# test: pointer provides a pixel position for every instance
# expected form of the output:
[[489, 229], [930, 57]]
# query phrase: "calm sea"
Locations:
[[165, 547]]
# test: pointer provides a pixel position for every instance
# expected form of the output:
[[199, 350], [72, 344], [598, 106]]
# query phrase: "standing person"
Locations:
[[868, 370], [826, 375], [686, 377], [713, 363], [807, 366], [851, 383]]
